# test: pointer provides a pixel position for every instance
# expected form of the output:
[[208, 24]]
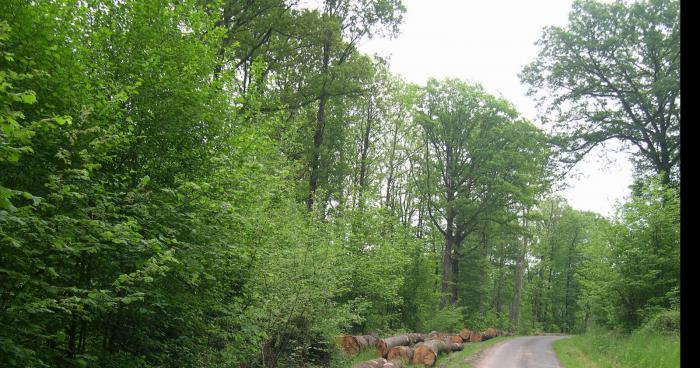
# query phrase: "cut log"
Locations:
[[352, 345], [393, 364], [383, 345], [402, 353], [348, 344], [490, 333], [475, 336], [457, 339], [426, 352], [439, 336], [374, 363], [416, 337], [464, 334], [366, 340]]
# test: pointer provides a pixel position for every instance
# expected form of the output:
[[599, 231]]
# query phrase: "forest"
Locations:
[[232, 183]]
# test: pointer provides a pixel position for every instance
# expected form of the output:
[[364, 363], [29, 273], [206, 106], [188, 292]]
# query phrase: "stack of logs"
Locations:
[[420, 349]]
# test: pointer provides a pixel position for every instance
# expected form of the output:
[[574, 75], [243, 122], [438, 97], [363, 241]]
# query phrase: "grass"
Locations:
[[609, 350], [452, 360], [363, 356]]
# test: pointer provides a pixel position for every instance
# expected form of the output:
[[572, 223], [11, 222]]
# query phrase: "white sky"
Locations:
[[489, 41]]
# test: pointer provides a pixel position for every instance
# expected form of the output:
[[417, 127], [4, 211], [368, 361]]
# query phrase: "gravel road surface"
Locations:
[[520, 352]]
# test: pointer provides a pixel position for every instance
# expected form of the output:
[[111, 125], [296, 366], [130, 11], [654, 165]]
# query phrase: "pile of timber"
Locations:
[[383, 345], [419, 349]]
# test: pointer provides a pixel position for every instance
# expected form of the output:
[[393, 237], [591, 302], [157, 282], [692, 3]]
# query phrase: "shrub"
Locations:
[[667, 322], [448, 319]]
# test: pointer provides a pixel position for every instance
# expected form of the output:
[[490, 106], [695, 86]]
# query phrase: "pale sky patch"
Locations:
[[489, 42]]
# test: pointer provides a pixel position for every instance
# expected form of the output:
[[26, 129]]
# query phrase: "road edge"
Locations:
[[481, 354]]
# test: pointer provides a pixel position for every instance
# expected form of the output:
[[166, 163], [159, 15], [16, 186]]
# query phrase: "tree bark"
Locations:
[[352, 345], [383, 345], [402, 353], [426, 353], [320, 125], [362, 182], [475, 336], [517, 294], [446, 264], [489, 333], [455, 272]]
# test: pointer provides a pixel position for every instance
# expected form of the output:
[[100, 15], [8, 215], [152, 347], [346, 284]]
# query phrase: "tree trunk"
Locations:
[[362, 182], [320, 125], [499, 281], [568, 283], [426, 353], [515, 306], [446, 264], [490, 333], [402, 353], [455, 273], [352, 345], [475, 336], [383, 345], [392, 158]]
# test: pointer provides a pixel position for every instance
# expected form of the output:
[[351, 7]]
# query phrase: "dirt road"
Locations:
[[521, 352]]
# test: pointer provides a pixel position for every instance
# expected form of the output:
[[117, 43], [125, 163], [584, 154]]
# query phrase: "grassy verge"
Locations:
[[609, 350]]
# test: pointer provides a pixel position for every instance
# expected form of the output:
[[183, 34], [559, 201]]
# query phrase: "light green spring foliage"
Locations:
[[149, 219], [555, 289], [646, 254], [617, 273], [154, 162]]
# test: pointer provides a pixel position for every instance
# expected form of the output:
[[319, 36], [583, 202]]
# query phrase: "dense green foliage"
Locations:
[[224, 183]]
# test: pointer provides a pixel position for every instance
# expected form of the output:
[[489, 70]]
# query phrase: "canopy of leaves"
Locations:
[[613, 72]]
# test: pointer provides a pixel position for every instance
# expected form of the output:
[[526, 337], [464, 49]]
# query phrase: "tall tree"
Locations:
[[478, 158], [345, 24], [614, 73]]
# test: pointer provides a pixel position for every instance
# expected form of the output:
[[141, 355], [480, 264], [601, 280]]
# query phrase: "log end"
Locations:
[[402, 353], [382, 348], [423, 355], [457, 339], [348, 344], [475, 336]]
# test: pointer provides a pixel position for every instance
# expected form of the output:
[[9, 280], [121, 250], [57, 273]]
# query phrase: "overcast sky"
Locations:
[[489, 42]]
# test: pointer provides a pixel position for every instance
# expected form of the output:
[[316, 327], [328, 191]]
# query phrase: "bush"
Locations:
[[667, 322], [448, 319]]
